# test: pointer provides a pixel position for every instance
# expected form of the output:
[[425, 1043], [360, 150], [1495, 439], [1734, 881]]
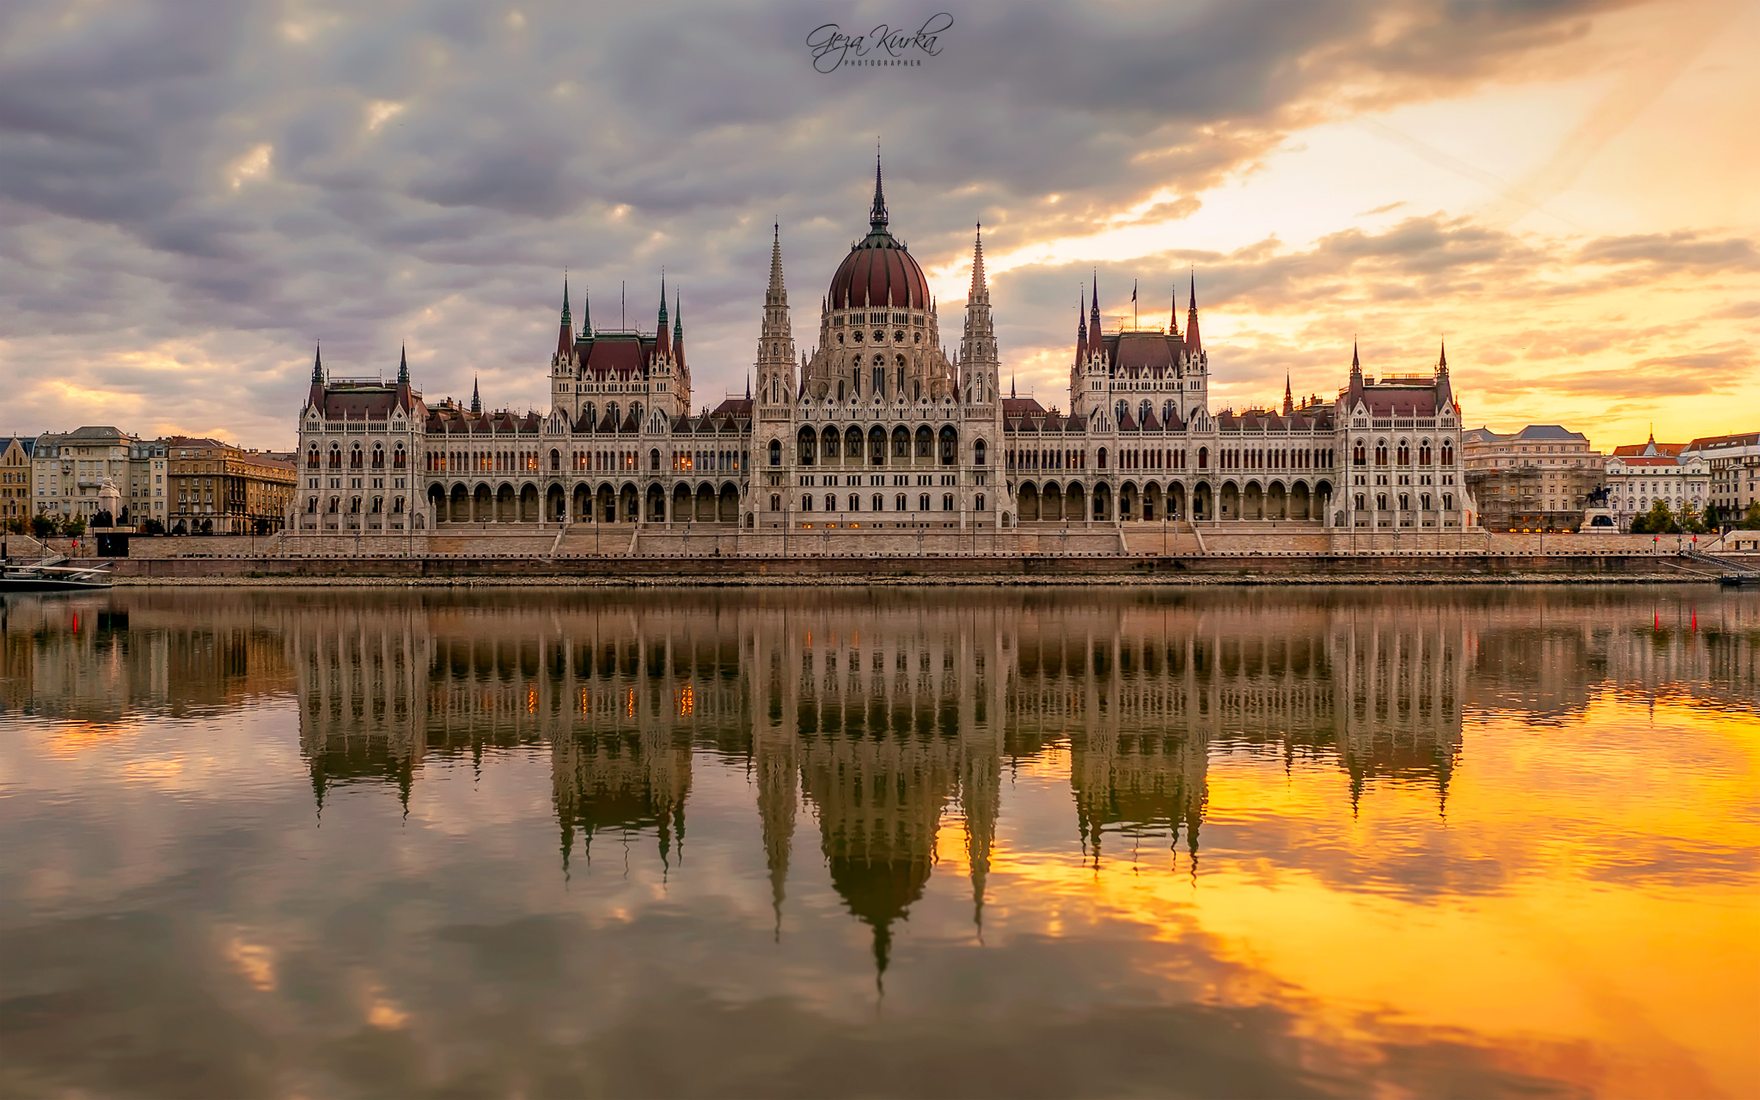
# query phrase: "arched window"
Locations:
[[775, 452], [1448, 454], [378, 456], [1166, 412], [1381, 452], [947, 502], [1143, 411], [1203, 458], [653, 460], [978, 452], [312, 457], [776, 502], [354, 457], [949, 445], [556, 460], [1359, 454], [398, 459], [1119, 409], [1102, 458], [1405, 453], [898, 504]]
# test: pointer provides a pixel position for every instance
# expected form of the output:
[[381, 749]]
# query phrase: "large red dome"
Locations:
[[878, 270], [879, 273]]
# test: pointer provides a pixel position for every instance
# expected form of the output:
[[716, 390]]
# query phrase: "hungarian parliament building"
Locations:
[[878, 429]]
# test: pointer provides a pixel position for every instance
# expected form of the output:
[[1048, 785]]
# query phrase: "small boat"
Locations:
[[1740, 580], [52, 576]]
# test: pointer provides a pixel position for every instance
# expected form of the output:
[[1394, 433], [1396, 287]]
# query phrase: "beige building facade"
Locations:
[[1536, 479], [219, 489], [1732, 464], [15, 480], [70, 470]]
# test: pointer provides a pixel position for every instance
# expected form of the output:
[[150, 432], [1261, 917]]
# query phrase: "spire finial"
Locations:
[[1356, 365], [565, 295], [677, 316], [1192, 289], [1442, 359], [980, 283], [318, 364], [877, 213], [476, 396], [403, 365]]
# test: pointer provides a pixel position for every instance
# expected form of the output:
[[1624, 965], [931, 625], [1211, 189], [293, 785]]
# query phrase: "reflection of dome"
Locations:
[[878, 270], [879, 892]]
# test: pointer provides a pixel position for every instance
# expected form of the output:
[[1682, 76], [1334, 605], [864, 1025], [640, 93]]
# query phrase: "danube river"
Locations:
[[956, 842]]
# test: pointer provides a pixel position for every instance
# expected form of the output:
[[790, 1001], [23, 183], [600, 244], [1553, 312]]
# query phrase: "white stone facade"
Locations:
[[1636, 481]]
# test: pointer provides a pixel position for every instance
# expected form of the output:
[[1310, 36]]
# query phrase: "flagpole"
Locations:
[[1134, 324]]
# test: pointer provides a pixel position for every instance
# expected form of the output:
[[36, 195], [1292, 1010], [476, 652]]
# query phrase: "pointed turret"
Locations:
[[1081, 332], [1094, 314], [1194, 342], [565, 336], [476, 397], [980, 283], [1356, 364], [586, 312], [662, 338], [1289, 402], [977, 347], [678, 329], [315, 396], [1444, 388], [403, 365], [1173, 315], [776, 355]]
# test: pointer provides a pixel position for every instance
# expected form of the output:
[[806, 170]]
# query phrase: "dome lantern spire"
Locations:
[[877, 218]]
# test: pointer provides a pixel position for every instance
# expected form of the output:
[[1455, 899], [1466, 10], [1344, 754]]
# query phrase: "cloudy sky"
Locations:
[[192, 194]]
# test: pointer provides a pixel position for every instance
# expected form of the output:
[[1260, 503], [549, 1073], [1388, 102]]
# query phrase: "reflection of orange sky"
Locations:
[[64, 739], [1636, 985]]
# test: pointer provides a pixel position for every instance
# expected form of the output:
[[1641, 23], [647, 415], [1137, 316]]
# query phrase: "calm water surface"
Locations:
[[948, 843]]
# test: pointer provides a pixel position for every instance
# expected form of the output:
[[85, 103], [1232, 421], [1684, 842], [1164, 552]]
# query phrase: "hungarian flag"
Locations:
[[1133, 290]]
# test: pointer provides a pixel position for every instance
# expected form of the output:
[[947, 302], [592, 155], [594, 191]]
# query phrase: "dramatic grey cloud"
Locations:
[[194, 194]]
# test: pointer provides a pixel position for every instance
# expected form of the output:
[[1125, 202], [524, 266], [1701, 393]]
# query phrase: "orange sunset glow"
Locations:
[[1560, 191]]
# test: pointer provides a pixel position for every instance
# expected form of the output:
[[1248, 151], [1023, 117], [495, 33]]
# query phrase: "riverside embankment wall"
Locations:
[[1295, 568]]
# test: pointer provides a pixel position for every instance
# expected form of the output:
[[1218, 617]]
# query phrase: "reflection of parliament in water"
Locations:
[[889, 718]]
